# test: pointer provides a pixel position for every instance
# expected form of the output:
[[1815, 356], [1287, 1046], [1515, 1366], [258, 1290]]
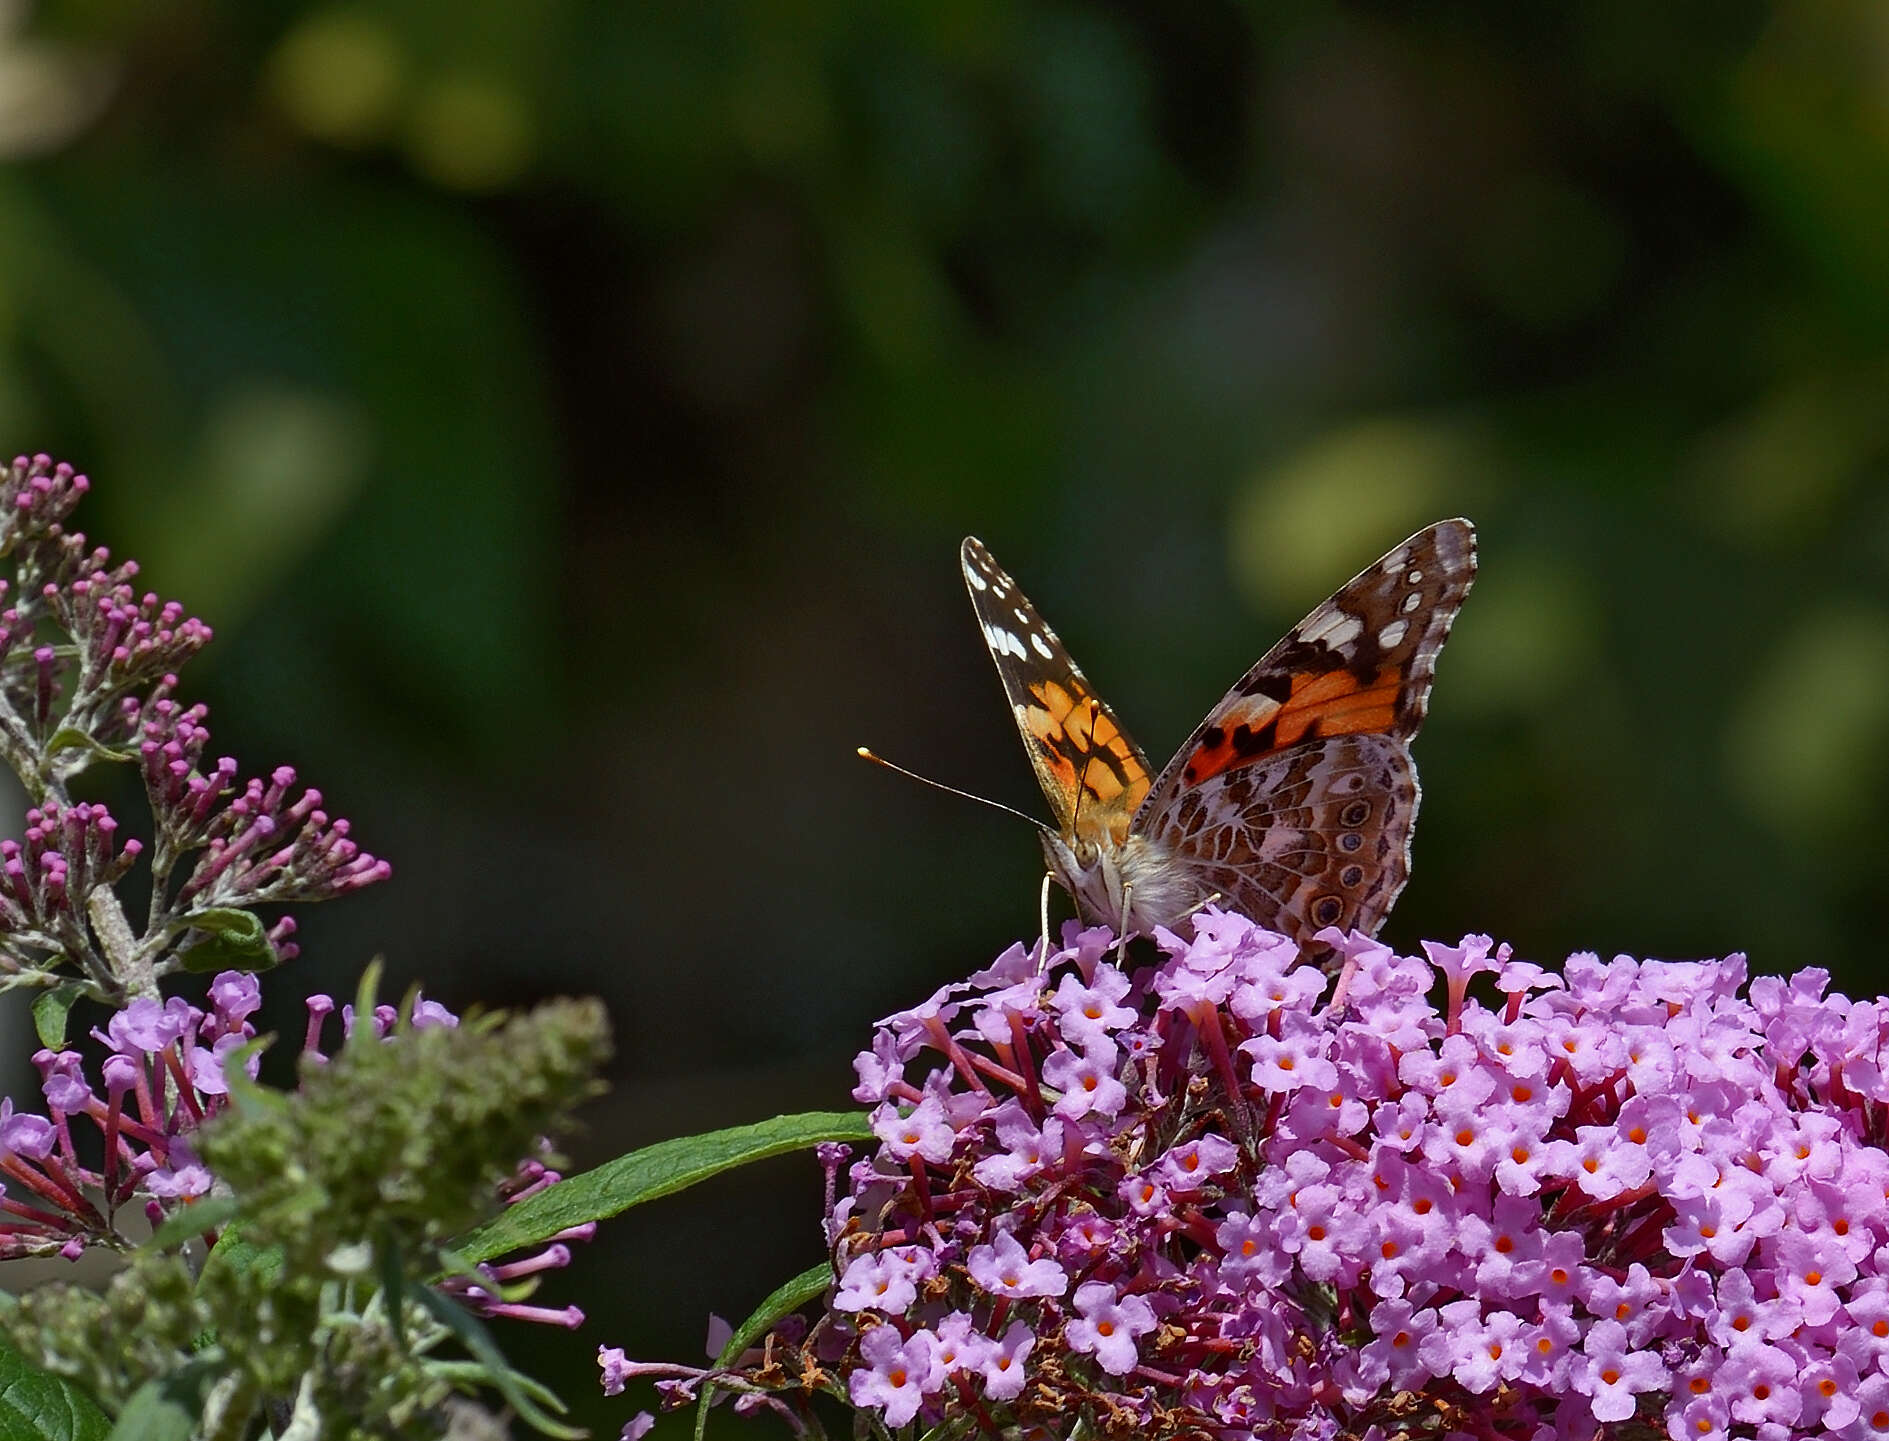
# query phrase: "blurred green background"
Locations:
[[567, 415]]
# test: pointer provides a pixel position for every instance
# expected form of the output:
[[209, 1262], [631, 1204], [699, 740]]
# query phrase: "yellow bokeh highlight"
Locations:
[[1527, 636], [1775, 474], [1311, 520], [467, 133], [1804, 748], [338, 76]]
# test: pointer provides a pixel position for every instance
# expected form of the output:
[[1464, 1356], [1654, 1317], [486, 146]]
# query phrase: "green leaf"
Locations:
[[38, 1406], [191, 1222], [387, 1259], [234, 940], [245, 1094], [73, 738], [233, 1250], [155, 1412], [49, 1014], [653, 1172], [476, 1339], [167, 1408], [809, 1285]]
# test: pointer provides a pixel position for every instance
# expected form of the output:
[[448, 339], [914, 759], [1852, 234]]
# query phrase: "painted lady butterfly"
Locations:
[[1292, 802]]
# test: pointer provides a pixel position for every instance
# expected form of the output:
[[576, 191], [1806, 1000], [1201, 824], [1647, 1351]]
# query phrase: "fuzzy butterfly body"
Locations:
[[1292, 802]]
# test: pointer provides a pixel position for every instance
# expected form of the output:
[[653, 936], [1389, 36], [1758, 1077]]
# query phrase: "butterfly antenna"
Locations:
[[879, 760], [1082, 781]]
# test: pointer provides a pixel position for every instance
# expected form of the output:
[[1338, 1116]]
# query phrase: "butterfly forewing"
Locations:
[[1296, 797], [1359, 664], [1092, 773]]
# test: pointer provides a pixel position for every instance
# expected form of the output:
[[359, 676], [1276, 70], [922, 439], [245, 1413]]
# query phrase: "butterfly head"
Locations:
[[1127, 886]]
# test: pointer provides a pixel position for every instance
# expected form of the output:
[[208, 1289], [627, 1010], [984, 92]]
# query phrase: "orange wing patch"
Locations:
[[1082, 747], [1331, 703]]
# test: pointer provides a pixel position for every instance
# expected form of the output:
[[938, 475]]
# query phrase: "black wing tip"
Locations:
[[980, 567], [1460, 526], [1453, 540]]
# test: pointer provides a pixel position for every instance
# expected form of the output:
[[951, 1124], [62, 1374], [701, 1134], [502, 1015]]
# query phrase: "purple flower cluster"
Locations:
[[36, 494], [1225, 1196], [500, 1285], [161, 1077], [119, 640], [88, 673], [261, 842], [46, 875], [123, 639]]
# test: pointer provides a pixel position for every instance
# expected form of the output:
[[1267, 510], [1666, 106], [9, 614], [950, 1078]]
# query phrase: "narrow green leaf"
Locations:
[[392, 1286], [196, 1218], [74, 738], [789, 1296], [476, 1339], [365, 996], [653, 1172], [233, 940], [245, 1094], [49, 1014], [38, 1406]]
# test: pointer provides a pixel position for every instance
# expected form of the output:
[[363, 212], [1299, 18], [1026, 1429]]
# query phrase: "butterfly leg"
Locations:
[[1121, 941], [1203, 903], [1042, 962]]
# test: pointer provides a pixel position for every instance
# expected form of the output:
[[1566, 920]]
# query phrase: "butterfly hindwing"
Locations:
[[1305, 838], [1093, 775]]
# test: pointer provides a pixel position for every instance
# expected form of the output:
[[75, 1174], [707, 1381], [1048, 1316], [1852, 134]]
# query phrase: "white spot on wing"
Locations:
[[1412, 601], [976, 578], [1003, 642], [1392, 634], [1335, 628], [1041, 648], [1414, 577]]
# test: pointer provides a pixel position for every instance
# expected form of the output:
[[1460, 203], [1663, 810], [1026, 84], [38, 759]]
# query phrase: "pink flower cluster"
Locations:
[[120, 639], [1225, 1196], [46, 875], [261, 841], [162, 1077], [36, 494]]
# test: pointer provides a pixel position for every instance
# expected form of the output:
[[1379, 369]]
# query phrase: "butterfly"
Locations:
[[1292, 802]]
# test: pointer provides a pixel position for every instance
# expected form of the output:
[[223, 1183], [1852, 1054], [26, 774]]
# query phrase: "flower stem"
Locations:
[[130, 967]]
